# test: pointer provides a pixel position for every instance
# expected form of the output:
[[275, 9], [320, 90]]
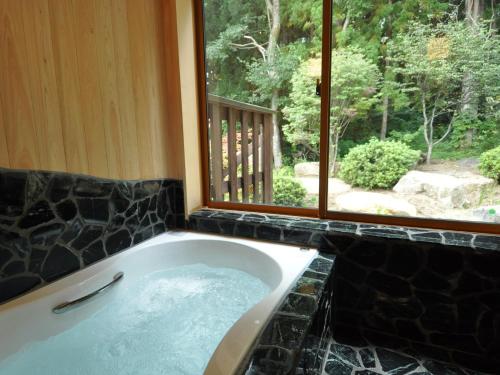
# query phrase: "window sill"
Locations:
[[317, 233]]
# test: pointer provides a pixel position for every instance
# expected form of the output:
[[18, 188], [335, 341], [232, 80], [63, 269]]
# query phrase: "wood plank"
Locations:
[[90, 82], [4, 152], [43, 84], [156, 83], [216, 150], [108, 88], [256, 156], [126, 105], [239, 184], [137, 22], [231, 148], [15, 89], [268, 159], [66, 67], [245, 119], [173, 106]]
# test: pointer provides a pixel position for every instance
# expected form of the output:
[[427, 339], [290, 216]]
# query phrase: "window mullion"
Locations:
[[326, 57]]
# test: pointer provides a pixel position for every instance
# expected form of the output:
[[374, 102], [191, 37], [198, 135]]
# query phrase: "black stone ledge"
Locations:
[[312, 232], [278, 348]]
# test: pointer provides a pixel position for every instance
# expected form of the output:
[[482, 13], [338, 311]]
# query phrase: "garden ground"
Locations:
[[445, 189]]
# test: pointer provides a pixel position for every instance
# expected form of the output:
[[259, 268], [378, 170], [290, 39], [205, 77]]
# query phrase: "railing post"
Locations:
[[216, 150], [245, 119], [256, 157], [232, 159], [268, 158]]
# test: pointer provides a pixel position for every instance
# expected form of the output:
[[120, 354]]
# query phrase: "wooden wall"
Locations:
[[90, 86]]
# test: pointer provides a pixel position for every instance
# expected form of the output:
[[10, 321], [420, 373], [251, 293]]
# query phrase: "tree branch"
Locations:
[[252, 44], [445, 134]]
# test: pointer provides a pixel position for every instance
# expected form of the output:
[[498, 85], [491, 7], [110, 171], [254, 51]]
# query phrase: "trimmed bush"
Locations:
[[489, 163], [377, 164], [287, 191]]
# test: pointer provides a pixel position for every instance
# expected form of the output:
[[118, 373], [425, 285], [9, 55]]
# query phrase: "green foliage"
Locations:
[[433, 61], [485, 133], [377, 164], [490, 164], [389, 39], [287, 191], [354, 84]]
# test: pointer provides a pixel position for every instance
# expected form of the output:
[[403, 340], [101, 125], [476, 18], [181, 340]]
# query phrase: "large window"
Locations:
[[384, 112]]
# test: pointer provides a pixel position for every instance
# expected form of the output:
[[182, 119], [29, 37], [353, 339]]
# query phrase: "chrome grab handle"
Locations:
[[66, 306]]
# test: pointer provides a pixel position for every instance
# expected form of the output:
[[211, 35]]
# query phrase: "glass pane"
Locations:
[[415, 110], [262, 65]]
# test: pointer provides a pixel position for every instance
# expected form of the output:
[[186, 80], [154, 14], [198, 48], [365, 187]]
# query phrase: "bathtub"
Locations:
[[30, 317]]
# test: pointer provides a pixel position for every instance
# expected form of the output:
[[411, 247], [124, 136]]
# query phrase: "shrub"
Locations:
[[489, 163], [377, 164], [287, 191]]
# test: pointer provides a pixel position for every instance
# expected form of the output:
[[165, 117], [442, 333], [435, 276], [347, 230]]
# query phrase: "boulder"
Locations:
[[335, 185], [374, 203], [308, 169], [451, 191]]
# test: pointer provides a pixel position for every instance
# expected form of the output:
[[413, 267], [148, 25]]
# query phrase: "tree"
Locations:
[[259, 72], [474, 10], [353, 92], [432, 61]]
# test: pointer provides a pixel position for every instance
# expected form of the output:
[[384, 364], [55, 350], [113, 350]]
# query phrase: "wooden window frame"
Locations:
[[322, 211]]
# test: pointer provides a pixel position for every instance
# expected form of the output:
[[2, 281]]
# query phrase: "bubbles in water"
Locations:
[[168, 322]]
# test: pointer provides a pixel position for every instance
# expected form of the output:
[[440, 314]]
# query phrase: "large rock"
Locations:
[[309, 169], [335, 185], [374, 203], [453, 192]]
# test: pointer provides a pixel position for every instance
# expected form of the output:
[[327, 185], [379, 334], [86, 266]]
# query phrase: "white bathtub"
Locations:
[[30, 317]]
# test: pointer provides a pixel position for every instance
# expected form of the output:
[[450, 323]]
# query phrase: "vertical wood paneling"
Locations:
[[42, 84], [173, 103], [130, 160], [90, 86], [109, 91], [89, 80], [156, 61], [4, 152], [137, 22], [66, 63], [14, 94]]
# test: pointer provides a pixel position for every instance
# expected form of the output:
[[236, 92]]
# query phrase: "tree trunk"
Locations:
[[493, 21], [273, 8], [276, 131], [429, 153], [474, 10], [385, 104], [385, 115], [334, 146]]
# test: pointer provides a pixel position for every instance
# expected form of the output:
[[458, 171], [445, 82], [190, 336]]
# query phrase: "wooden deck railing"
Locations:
[[254, 182]]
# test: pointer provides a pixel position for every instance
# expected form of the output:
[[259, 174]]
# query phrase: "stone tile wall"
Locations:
[[437, 293], [52, 224], [277, 350]]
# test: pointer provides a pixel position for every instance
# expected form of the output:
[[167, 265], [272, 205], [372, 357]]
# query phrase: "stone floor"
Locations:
[[370, 360]]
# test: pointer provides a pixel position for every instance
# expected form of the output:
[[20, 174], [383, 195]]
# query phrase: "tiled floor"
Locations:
[[369, 360]]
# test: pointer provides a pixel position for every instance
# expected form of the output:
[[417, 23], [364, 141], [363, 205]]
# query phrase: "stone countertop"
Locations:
[[304, 231]]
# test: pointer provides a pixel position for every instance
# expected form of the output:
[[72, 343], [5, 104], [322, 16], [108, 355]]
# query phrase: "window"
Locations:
[[377, 112]]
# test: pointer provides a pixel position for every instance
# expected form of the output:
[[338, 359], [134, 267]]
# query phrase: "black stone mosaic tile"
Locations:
[[278, 349], [52, 224], [433, 291], [342, 358]]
